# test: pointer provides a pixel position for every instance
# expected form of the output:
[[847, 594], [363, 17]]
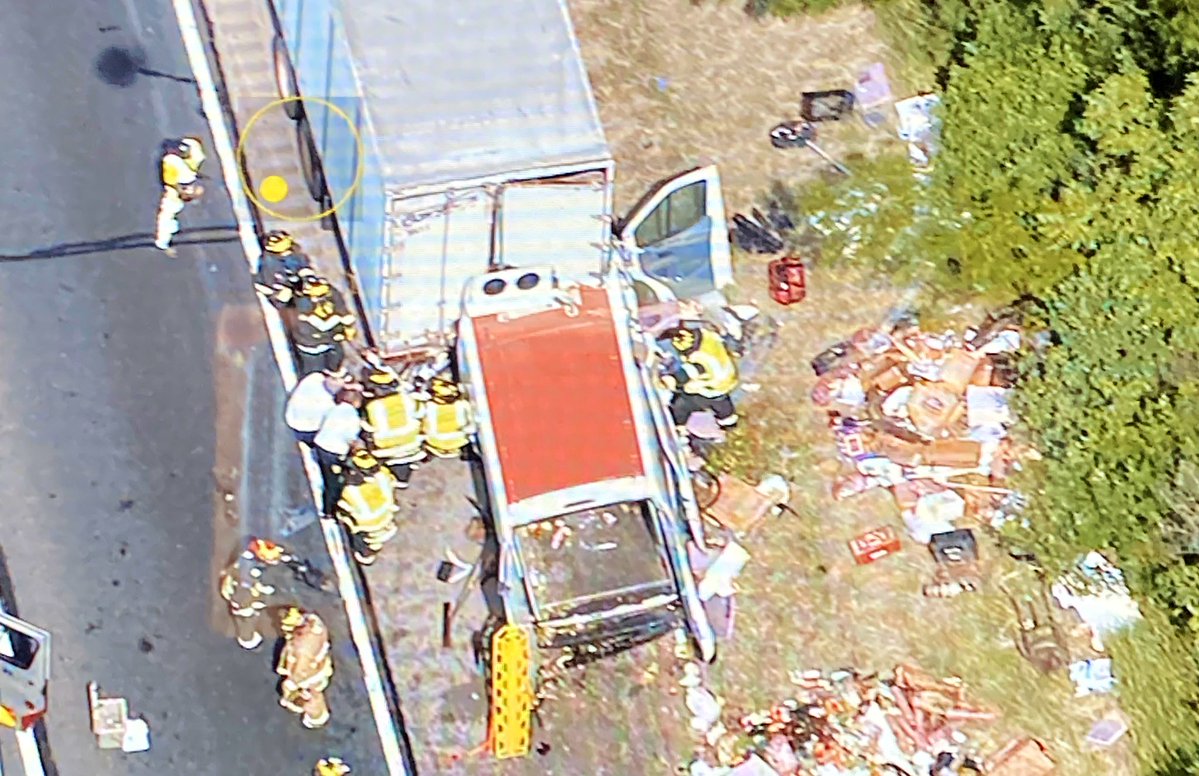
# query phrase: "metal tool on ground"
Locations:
[[450, 610], [802, 134], [1039, 638], [272, 554]]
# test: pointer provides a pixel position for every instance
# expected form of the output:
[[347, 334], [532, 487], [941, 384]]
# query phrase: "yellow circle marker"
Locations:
[[273, 188], [241, 158]]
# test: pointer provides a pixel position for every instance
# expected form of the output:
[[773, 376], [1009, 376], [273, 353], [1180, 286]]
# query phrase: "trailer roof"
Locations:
[[558, 399], [472, 88]]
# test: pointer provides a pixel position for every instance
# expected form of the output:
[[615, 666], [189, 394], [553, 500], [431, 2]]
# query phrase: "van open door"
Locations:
[[678, 238], [24, 672]]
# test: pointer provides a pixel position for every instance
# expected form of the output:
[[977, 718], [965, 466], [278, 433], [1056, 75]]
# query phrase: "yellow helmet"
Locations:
[[684, 339], [362, 459], [189, 146], [315, 286], [379, 375], [291, 619], [279, 241], [446, 390], [265, 550], [331, 766]]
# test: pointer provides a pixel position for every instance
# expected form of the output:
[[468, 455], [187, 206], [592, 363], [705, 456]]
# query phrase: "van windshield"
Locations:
[[592, 560]]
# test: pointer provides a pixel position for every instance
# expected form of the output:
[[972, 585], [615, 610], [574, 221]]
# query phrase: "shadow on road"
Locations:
[[120, 66], [200, 235]]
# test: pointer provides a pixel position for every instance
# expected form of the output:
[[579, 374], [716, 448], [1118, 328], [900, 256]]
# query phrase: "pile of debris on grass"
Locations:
[[844, 722], [927, 417]]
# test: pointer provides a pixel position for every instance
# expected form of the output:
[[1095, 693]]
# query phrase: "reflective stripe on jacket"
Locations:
[[177, 172], [369, 507], [446, 425], [244, 597], [393, 422], [323, 321], [710, 368]]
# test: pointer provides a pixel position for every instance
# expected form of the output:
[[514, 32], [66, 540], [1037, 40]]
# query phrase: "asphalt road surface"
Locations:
[[136, 391]]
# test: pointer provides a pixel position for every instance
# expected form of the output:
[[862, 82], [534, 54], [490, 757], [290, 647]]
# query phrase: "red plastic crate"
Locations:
[[874, 544], [788, 280]]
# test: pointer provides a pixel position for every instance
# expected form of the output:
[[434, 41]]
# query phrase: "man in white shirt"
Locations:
[[309, 403], [341, 426]]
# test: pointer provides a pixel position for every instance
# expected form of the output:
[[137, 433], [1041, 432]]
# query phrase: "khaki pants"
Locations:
[[246, 626], [169, 208], [310, 704]]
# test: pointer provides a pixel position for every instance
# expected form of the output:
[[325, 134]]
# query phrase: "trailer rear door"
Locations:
[[558, 222], [435, 244]]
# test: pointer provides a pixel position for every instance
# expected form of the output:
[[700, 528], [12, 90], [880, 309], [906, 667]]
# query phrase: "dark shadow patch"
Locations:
[[119, 66], [202, 235]]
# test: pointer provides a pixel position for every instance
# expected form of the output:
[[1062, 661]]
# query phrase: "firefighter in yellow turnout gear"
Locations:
[[705, 378], [323, 324], [306, 665], [278, 279], [448, 419], [367, 506], [392, 421], [180, 168]]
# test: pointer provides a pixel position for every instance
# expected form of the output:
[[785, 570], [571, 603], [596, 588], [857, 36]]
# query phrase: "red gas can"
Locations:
[[788, 280]]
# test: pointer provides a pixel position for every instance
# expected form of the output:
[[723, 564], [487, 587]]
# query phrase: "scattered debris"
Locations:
[[1039, 639], [1092, 676], [802, 134], [788, 280], [873, 94], [920, 128], [112, 725], [828, 105], [874, 544], [921, 414], [1098, 593], [1022, 757], [848, 722], [1106, 732]]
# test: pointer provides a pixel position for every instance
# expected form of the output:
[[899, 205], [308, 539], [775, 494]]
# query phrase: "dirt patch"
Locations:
[[682, 83]]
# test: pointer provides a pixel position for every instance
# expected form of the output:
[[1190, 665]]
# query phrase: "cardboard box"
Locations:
[[899, 451], [872, 367], [1022, 757], [982, 375], [740, 507], [891, 379], [958, 368], [933, 406], [874, 544], [955, 453]]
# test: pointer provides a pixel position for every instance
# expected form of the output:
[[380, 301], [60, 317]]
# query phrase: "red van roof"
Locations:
[[557, 398]]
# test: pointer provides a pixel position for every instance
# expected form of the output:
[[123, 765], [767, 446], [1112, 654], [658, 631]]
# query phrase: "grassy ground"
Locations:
[[681, 84], [726, 80]]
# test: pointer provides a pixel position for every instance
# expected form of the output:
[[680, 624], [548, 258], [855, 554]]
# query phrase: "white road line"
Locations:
[[31, 758], [194, 44]]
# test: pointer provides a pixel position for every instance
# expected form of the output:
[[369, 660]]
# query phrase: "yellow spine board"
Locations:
[[7, 718], [511, 731]]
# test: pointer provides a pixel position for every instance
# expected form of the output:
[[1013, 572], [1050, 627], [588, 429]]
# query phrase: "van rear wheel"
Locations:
[[285, 80], [308, 160]]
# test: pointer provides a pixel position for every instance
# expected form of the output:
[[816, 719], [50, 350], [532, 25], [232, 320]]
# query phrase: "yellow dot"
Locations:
[[273, 188]]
